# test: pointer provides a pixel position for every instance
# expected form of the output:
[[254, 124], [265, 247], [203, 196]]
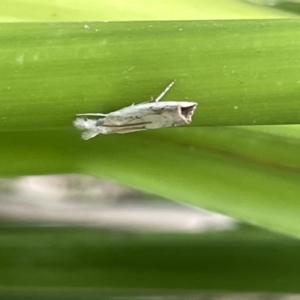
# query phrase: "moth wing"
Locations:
[[89, 134], [88, 128], [129, 115]]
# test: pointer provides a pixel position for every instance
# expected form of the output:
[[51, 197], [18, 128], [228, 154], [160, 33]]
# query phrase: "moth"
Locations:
[[147, 115]]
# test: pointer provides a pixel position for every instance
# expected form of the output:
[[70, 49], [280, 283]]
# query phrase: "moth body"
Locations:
[[143, 116]]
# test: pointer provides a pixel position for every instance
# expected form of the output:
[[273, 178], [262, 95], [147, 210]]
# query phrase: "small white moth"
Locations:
[[143, 116]]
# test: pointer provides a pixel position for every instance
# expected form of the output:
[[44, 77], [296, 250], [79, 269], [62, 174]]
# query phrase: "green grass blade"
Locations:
[[256, 181], [94, 10], [240, 72], [55, 260]]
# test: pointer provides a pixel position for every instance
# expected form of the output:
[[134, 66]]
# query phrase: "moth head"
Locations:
[[186, 110]]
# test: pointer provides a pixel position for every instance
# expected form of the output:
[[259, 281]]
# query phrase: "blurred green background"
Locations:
[[238, 59]]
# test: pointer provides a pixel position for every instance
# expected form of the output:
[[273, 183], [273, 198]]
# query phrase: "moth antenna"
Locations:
[[165, 91]]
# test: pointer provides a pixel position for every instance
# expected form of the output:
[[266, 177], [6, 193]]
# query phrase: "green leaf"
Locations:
[[55, 260], [239, 72], [50, 72], [94, 10]]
